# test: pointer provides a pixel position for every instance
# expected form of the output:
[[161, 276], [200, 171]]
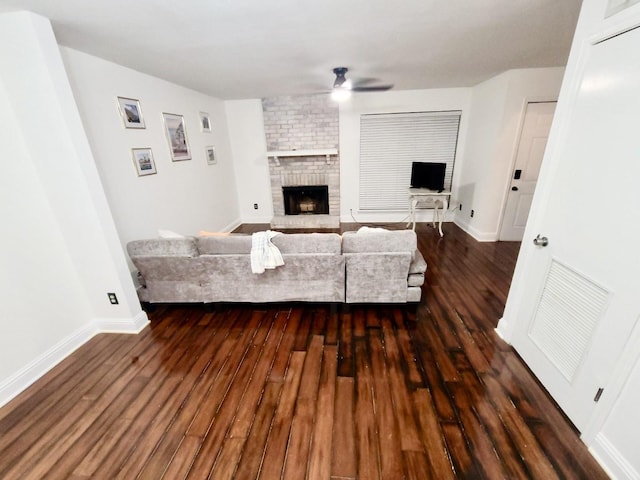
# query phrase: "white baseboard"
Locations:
[[123, 325], [614, 463], [475, 233], [231, 226], [422, 216], [35, 369], [500, 331]]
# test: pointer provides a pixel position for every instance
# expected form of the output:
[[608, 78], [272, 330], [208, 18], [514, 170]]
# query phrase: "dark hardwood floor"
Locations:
[[305, 391]]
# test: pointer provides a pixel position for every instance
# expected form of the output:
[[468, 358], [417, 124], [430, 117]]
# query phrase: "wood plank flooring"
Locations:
[[299, 391]]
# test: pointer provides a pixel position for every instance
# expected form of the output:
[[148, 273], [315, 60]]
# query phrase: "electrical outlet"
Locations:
[[112, 298], [472, 212], [255, 206]]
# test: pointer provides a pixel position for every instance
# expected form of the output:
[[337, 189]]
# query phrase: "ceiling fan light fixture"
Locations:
[[340, 94], [340, 73]]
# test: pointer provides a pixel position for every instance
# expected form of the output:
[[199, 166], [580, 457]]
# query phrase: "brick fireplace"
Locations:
[[303, 129]]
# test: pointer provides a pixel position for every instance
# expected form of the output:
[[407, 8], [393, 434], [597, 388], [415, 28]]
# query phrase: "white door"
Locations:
[[582, 295], [533, 140]]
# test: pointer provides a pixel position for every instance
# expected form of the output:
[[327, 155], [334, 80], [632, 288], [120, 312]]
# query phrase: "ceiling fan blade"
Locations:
[[361, 82], [361, 85], [372, 88]]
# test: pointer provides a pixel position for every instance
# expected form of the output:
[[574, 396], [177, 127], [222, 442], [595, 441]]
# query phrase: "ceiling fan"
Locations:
[[342, 87]]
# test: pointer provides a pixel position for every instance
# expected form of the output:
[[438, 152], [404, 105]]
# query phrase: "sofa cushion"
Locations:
[[308, 243], [377, 277], [379, 241], [286, 243], [418, 264], [303, 277], [415, 279], [224, 245], [163, 247]]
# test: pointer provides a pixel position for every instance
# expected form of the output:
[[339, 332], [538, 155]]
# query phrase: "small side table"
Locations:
[[440, 202]]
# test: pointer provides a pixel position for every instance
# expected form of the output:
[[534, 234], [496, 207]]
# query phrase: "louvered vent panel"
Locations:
[[569, 310]]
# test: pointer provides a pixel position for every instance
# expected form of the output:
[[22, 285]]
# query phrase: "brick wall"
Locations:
[[302, 123], [298, 123]]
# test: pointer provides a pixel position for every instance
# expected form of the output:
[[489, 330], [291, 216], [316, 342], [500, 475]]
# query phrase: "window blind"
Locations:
[[389, 143]]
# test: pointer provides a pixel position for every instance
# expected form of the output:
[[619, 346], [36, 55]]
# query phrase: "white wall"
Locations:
[[497, 111], [492, 114], [247, 136], [185, 196], [60, 253], [249, 151], [392, 102]]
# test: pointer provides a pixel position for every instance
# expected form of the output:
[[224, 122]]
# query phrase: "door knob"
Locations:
[[541, 241], [515, 189]]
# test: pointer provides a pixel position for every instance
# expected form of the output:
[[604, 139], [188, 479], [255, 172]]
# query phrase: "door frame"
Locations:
[[514, 151]]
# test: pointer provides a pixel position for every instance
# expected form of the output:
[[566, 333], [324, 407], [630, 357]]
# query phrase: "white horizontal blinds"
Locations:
[[389, 143]]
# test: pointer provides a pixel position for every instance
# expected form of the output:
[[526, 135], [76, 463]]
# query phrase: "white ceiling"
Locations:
[[256, 48]]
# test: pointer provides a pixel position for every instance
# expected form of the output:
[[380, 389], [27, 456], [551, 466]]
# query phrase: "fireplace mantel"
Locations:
[[327, 152]]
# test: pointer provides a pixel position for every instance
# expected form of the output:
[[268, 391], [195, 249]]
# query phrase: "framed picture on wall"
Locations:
[[211, 155], [176, 136], [143, 160], [205, 122], [130, 112]]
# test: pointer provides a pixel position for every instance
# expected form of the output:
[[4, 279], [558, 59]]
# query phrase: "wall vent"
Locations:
[[569, 310]]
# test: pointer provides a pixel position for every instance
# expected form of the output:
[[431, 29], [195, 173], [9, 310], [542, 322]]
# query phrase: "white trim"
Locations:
[[515, 147], [256, 219], [35, 369], [616, 24], [30, 373], [123, 325], [475, 233], [500, 332], [612, 460], [231, 226]]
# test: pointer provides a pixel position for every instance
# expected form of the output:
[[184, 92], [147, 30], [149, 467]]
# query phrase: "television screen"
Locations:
[[428, 175]]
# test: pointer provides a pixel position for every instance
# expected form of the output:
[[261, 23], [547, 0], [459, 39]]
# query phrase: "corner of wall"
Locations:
[[479, 235], [44, 362]]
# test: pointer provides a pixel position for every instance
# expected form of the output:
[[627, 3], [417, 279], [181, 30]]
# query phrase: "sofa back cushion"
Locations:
[[379, 241], [224, 245], [286, 243], [163, 247], [308, 243]]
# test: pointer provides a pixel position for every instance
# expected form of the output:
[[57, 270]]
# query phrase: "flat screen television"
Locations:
[[428, 175]]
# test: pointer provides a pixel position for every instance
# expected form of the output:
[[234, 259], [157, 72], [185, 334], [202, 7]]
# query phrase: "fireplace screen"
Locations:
[[306, 200]]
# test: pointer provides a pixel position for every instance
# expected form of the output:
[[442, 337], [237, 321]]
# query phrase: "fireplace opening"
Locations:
[[306, 200]]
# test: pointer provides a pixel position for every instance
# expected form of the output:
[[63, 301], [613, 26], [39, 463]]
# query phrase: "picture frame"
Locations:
[[210, 153], [130, 112], [143, 160], [176, 136], [205, 122]]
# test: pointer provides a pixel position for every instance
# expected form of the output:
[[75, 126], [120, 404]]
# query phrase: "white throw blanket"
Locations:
[[264, 254]]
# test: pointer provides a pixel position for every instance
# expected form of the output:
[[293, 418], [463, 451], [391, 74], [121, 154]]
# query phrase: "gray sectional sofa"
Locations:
[[371, 266]]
